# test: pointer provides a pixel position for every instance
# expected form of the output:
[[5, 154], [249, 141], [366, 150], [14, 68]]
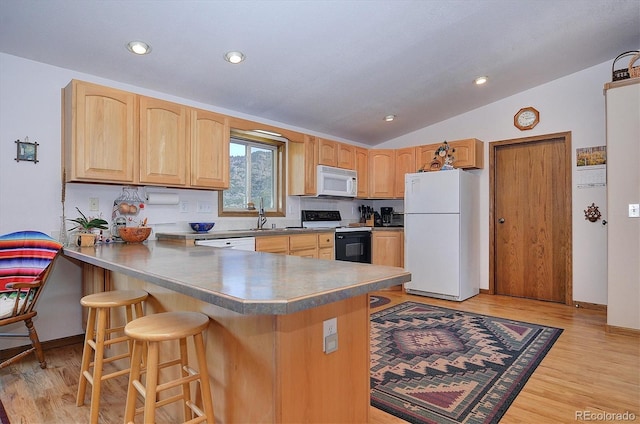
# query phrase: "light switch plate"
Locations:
[[634, 210]]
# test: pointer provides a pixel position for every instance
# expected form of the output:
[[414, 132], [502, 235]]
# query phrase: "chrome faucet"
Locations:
[[261, 218]]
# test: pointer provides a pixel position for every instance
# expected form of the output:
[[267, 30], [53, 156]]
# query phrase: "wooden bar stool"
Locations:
[[150, 331], [99, 335]]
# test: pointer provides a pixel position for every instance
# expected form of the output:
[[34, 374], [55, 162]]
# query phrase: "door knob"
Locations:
[[501, 220]]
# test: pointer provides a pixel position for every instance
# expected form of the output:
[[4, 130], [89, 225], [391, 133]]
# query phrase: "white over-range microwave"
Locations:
[[337, 182]]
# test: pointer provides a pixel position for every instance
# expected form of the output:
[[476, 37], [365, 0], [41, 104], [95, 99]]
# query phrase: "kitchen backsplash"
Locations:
[[201, 206]]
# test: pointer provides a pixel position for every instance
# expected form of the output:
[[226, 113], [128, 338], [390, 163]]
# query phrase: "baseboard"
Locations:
[[49, 344], [592, 306], [622, 330]]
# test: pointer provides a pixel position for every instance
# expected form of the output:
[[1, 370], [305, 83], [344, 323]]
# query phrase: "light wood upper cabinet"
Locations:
[[99, 134], [424, 156], [164, 150], [469, 153], [362, 169], [327, 152], [382, 164], [405, 164], [346, 156], [387, 248], [209, 150], [302, 167]]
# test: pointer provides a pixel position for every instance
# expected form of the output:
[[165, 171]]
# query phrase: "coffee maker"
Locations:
[[386, 213]]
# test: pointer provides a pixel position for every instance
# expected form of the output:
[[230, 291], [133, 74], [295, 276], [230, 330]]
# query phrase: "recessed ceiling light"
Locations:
[[234, 57], [389, 118], [139, 47], [480, 80]]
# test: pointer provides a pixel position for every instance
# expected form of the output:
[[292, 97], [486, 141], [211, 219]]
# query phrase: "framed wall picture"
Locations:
[[26, 151]]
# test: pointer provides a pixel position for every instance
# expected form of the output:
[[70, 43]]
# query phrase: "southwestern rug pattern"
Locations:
[[437, 365]]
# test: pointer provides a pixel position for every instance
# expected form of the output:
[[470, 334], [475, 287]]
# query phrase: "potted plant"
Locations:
[[85, 225]]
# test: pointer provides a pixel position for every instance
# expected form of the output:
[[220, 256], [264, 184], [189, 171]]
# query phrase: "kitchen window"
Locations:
[[256, 172]]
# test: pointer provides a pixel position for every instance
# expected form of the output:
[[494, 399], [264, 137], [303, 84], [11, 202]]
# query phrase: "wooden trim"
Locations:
[[50, 344], [621, 83], [590, 306], [623, 331], [566, 136]]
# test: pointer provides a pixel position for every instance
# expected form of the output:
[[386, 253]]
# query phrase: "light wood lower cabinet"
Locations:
[[312, 245], [387, 248], [273, 244]]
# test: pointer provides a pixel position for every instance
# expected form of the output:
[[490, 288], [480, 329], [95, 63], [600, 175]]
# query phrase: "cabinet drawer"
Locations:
[[325, 240], [273, 244], [303, 242]]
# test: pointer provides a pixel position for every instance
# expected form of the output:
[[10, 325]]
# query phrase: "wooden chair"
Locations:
[[26, 260]]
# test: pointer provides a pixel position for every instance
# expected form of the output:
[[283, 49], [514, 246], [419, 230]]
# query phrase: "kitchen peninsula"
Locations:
[[265, 341]]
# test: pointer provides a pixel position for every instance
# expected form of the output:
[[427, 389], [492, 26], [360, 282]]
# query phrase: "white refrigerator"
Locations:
[[442, 234]]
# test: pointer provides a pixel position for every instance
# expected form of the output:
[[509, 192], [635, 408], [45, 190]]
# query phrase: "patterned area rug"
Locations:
[[438, 365], [377, 301]]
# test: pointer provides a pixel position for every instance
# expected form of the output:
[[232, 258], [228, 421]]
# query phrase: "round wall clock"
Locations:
[[526, 118]]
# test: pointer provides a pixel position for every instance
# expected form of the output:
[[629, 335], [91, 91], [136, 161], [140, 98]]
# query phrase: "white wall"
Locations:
[[30, 105], [574, 103]]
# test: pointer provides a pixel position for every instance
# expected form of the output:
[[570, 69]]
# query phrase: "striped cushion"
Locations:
[[24, 255]]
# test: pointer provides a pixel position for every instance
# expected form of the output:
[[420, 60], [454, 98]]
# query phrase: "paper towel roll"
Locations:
[[162, 199]]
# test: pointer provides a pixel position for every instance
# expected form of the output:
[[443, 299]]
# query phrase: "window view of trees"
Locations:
[[253, 169]]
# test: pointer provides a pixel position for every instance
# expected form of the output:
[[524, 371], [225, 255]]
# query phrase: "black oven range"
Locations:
[[352, 244]]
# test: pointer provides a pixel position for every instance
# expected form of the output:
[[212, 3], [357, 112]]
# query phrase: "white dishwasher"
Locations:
[[237, 243]]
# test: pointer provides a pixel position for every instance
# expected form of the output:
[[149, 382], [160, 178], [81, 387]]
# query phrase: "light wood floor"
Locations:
[[586, 370]]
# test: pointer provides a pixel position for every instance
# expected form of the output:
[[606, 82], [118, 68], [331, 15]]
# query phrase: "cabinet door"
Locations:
[[469, 153], [209, 150], [405, 164], [387, 248], [326, 246], [273, 244], [302, 167], [163, 142], [346, 156], [100, 133], [362, 169], [382, 173], [424, 156], [327, 152]]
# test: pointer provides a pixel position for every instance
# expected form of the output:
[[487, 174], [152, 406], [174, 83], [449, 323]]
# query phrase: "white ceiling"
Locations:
[[331, 67]]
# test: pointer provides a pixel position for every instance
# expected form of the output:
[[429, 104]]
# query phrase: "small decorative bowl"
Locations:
[[201, 227], [134, 234]]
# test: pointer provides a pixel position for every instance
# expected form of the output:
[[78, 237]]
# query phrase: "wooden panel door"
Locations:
[[209, 150], [405, 164], [531, 218], [99, 133], [164, 150]]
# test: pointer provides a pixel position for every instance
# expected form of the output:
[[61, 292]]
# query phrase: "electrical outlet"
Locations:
[[330, 335], [634, 210], [205, 207], [94, 204], [184, 207]]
